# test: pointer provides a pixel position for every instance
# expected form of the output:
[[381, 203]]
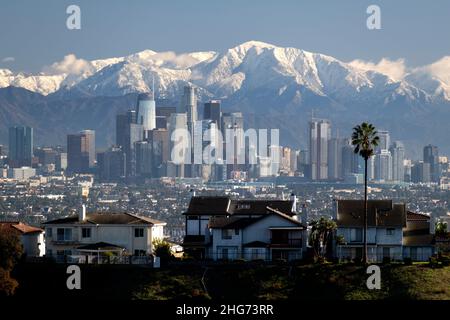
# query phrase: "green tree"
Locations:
[[365, 139], [441, 229], [161, 249], [11, 251], [321, 235]]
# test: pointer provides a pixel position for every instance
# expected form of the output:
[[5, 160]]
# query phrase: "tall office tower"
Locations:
[[303, 163], [319, 136], [212, 111], [285, 160], [180, 148], [144, 157], [188, 105], [146, 111], [159, 140], [407, 163], [431, 156], [293, 160], [398, 157], [370, 167], [81, 151], [335, 147], [205, 139], [385, 141], [111, 165], [61, 161], [383, 166], [420, 172], [20, 146], [122, 126], [128, 131], [350, 160], [232, 125]]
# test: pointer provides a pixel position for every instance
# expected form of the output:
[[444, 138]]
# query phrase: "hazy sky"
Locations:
[[34, 33]]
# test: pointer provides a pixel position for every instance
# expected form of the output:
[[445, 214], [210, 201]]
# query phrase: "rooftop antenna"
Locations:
[[153, 86]]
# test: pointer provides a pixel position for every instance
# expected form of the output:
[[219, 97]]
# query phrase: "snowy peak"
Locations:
[[242, 72]]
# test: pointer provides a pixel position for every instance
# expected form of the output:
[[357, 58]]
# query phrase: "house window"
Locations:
[[192, 217], [140, 253], [49, 253], [227, 234], [86, 232], [139, 232], [356, 235], [49, 232], [390, 231], [236, 231], [64, 234], [413, 253]]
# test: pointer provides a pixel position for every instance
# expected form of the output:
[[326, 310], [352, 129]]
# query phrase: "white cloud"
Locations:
[[395, 69], [8, 59], [439, 69], [69, 65]]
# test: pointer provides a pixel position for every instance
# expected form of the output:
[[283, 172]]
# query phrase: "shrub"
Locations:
[[407, 261], [386, 260], [434, 262]]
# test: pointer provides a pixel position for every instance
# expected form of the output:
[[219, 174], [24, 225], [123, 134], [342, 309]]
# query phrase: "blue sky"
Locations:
[[34, 33]]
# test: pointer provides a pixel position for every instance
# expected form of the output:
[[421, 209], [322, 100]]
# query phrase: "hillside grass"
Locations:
[[237, 281]]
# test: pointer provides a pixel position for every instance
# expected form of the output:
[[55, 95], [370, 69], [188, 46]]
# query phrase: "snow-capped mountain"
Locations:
[[274, 87], [286, 73]]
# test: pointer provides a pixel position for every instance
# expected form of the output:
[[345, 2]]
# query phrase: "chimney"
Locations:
[[293, 198], [82, 213]]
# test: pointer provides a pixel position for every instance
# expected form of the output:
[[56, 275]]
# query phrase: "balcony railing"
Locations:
[[286, 242]]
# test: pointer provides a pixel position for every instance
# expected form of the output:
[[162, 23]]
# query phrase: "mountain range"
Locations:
[[274, 87]]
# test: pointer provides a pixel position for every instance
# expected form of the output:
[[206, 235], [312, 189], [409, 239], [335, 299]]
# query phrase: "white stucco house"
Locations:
[[91, 233], [221, 228], [32, 238], [393, 232]]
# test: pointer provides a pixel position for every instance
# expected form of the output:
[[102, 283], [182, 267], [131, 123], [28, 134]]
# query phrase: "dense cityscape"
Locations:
[[136, 175]]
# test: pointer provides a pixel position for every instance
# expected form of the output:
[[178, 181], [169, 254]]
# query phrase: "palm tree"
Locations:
[[365, 139]]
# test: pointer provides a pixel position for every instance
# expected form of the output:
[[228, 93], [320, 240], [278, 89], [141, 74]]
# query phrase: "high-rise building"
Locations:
[[128, 131], [123, 122], [20, 146], [61, 161], [335, 147], [398, 157], [144, 159], [146, 111], [431, 156], [420, 172], [319, 136], [81, 151], [159, 140], [385, 140], [189, 106], [212, 111], [383, 166], [111, 165], [350, 160], [180, 159]]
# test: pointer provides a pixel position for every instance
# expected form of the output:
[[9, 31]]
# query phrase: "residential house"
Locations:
[[418, 241], [392, 232], [32, 238], [94, 233], [224, 228]]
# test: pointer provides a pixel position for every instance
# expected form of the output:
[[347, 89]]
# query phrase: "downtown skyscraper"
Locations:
[[81, 151], [20, 146], [319, 137], [431, 156]]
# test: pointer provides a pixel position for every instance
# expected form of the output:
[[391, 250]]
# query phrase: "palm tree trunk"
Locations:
[[365, 213]]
